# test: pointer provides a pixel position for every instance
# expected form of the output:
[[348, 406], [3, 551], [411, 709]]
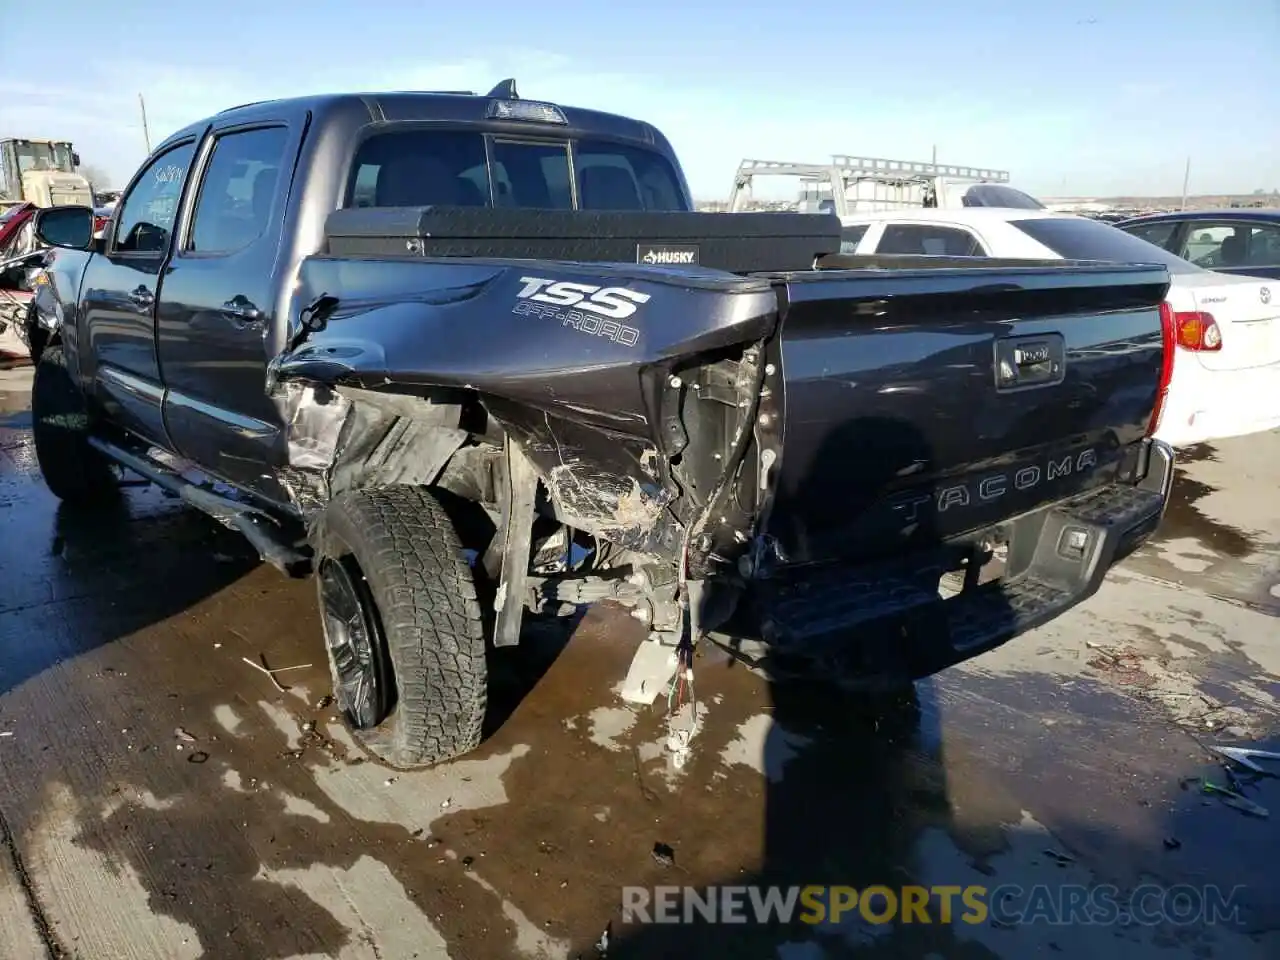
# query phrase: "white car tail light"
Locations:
[[1197, 331]]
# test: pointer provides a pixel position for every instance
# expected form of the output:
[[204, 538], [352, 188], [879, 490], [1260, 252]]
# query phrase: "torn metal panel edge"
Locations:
[[349, 425]]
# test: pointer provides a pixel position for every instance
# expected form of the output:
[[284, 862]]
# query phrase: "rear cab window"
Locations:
[[469, 168], [927, 239], [1083, 239]]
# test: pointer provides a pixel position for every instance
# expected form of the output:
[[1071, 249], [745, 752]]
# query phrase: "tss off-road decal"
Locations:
[[586, 307]]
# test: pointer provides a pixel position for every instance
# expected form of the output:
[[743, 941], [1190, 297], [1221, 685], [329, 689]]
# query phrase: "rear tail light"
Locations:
[[1197, 331], [1169, 340], [1192, 330]]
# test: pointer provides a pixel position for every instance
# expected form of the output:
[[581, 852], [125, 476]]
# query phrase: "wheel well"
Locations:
[[40, 340]]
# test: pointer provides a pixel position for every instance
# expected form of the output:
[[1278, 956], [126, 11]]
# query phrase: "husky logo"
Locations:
[[673, 255], [615, 303], [668, 255]]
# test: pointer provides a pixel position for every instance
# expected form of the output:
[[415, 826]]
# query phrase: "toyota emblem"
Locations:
[[1265, 294]]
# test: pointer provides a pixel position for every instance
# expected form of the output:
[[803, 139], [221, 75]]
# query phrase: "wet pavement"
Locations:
[[159, 797]]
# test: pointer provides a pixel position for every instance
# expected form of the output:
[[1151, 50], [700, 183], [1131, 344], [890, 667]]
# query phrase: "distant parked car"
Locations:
[[1241, 242], [1226, 367], [101, 217]]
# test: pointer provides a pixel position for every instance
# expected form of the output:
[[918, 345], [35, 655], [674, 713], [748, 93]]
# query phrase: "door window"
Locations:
[[1161, 234], [929, 240], [235, 201], [148, 211], [1216, 244]]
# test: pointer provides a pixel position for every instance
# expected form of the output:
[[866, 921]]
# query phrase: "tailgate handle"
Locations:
[[1023, 363]]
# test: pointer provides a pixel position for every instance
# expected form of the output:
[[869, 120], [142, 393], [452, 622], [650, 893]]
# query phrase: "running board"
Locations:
[[257, 526]]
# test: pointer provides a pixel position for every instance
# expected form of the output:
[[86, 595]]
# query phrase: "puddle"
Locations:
[[1184, 519]]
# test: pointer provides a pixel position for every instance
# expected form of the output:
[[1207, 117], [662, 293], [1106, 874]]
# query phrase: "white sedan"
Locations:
[[1226, 370]]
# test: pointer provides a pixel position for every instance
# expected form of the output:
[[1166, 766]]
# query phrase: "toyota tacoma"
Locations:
[[459, 357]]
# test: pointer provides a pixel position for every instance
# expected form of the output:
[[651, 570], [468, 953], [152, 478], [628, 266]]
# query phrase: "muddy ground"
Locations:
[[159, 797]]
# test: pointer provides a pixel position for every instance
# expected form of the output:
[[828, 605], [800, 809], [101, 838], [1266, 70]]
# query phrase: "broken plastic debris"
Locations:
[[1244, 755], [182, 734], [1238, 801], [678, 746]]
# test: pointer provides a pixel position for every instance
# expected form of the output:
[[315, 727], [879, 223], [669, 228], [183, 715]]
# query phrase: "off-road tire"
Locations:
[[75, 472], [431, 631]]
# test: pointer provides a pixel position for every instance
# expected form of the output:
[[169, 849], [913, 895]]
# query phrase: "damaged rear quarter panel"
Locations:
[[540, 345]]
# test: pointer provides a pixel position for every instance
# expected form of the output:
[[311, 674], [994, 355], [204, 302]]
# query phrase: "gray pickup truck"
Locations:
[[462, 356]]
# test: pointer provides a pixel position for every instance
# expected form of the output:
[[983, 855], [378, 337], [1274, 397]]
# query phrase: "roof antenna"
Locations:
[[506, 90]]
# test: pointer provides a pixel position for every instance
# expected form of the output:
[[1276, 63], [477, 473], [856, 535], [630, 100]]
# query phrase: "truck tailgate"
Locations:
[[923, 404]]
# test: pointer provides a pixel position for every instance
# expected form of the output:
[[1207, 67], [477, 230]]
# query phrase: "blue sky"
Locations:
[[1079, 98]]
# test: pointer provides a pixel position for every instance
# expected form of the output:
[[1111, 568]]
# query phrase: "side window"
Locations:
[[1216, 244], [929, 240], [850, 237], [240, 183], [148, 211], [1264, 246], [1161, 234]]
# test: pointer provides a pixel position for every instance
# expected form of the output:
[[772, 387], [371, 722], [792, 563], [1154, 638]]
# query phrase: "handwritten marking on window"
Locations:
[[169, 174]]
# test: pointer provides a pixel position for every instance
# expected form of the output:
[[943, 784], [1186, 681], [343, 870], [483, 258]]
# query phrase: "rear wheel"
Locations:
[[402, 625], [75, 472]]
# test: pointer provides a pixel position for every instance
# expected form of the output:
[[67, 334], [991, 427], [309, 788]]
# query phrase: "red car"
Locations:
[[11, 233], [15, 239]]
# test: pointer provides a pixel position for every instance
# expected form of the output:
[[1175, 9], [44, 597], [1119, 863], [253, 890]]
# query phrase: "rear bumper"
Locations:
[[1206, 405], [887, 622]]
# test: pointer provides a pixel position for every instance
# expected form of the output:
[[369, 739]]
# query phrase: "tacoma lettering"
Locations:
[[995, 486]]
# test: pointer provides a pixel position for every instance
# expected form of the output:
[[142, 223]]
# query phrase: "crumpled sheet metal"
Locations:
[[314, 417]]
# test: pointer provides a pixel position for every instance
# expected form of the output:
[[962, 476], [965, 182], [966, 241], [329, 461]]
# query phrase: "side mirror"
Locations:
[[70, 227], [75, 159]]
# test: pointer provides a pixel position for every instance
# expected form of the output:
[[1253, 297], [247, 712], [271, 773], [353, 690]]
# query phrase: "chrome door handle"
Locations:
[[142, 297], [240, 306]]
